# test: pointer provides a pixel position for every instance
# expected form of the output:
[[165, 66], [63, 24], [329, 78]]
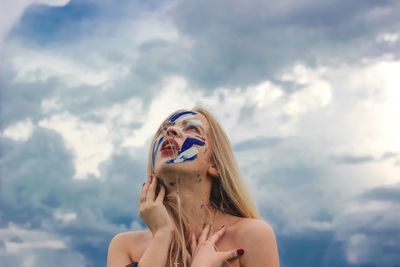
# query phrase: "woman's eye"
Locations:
[[191, 127]]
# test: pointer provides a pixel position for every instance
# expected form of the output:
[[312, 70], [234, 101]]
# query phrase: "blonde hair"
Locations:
[[228, 192]]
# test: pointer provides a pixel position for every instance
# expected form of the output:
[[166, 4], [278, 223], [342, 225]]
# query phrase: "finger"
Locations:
[[161, 194], [143, 191], [193, 244], [232, 254], [151, 192], [217, 235], [204, 234]]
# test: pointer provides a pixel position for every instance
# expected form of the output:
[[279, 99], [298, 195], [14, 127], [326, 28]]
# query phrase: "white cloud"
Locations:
[[17, 247], [152, 27], [50, 104], [34, 248], [266, 93], [271, 102], [43, 65], [28, 239], [122, 114], [388, 37], [377, 85], [173, 95], [355, 112], [360, 224], [20, 131], [65, 217], [94, 142], [89, 142], [276, 111], [316, 93]]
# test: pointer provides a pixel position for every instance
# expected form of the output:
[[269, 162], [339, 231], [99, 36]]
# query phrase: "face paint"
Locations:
[[188, 151], [174, 117], [189, 142], [194, 123], [189, 154], [185, 115], [155, 148]]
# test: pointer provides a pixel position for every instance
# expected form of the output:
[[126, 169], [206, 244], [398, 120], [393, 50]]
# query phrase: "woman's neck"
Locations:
[[194, 192]]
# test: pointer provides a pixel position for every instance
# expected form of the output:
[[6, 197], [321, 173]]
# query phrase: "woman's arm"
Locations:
[[117, 251], [155, 215], [157, 252]]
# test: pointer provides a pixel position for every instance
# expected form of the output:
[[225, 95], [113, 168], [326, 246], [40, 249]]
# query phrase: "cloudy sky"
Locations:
[[308, 92]]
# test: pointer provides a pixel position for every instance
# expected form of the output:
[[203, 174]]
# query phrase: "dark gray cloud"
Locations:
[[301, 250], [44, 257], [258, 143], [21, 100], [370, 227], [237, 43], [386, 194], [352, 159], [359, 159], [38, 190], [230, 44]]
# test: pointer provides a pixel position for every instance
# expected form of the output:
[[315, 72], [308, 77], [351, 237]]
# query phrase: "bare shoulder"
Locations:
[[257, 238], [250, 226], [126, 247]]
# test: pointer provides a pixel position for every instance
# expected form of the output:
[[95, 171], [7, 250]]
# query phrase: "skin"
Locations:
[[194, 179]]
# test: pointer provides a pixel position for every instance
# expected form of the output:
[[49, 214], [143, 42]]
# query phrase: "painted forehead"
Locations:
[[185, 117]]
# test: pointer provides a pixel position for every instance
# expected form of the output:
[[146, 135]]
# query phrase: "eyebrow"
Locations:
[[186, 122]]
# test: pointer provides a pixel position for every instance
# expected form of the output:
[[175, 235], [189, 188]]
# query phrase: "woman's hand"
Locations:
[[152, 209], [204, 253]]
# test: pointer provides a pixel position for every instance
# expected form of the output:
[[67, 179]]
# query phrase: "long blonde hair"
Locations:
[[228, 192]]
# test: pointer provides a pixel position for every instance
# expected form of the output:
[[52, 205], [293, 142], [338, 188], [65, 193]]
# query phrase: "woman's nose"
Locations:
[[172, 131]]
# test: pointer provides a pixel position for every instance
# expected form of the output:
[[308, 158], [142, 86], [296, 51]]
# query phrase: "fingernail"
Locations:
[[222, 226], [240, 251]]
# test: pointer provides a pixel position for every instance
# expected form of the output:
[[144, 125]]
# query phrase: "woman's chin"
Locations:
[[170, 171]]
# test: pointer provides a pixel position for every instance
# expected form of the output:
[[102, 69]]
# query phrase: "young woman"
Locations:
[[195, 204]]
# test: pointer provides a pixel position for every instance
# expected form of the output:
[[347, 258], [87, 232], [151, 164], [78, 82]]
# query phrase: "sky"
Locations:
[[307, 91]]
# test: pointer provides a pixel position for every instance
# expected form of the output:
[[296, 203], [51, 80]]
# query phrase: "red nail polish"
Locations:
[[240, 251]]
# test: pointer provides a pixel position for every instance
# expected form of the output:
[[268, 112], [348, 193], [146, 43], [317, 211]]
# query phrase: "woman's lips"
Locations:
[[169, 147], [168, 151]]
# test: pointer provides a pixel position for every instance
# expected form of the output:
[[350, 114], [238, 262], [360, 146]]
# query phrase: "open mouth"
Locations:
[[169, 146]]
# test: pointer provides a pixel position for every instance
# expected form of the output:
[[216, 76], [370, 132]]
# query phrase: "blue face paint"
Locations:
[[174, 117], [155, 149], [189, 154], [188, 151], [189, 142]]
